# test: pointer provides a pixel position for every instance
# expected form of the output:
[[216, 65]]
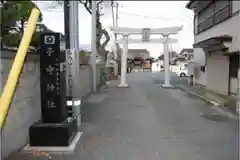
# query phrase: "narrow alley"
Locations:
[[147, 122]]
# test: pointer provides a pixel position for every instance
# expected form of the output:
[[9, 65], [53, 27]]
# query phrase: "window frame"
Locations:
[[197, 28]]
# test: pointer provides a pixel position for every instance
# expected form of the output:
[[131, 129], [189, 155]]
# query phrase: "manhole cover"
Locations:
[[191, 96], [139, 106], [215, 117]]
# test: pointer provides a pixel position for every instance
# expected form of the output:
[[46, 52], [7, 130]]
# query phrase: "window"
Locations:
[[220, 5], [206, 13], [222, 11], [213, 14]]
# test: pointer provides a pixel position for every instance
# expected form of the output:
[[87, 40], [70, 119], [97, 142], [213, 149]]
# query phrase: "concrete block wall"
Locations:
[[25, 108], [85, 83]]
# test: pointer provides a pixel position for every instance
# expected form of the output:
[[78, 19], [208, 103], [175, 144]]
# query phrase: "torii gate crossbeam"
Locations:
[[161, 40], [162, 31]]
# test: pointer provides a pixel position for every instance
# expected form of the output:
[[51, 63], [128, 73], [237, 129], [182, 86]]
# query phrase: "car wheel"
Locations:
[[182, 74]]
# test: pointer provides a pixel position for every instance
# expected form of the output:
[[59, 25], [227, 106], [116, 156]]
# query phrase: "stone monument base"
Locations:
[[52, 134]]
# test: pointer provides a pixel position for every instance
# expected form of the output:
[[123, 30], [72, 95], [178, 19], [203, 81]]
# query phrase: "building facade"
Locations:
[[216, 44], [188, 53], [139, 58]]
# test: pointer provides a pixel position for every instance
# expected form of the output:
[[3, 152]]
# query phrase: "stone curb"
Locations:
[[217, 106], [199, 96]]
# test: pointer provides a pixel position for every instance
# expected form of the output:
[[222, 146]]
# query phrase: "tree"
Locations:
[[100, 30], [14, 15]]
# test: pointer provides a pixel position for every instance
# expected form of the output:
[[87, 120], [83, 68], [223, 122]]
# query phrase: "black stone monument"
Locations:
[[54, 129]]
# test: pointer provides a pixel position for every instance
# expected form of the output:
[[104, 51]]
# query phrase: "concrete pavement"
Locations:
[[146, 122]]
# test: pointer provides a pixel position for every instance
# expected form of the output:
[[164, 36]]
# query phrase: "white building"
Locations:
[[188, 53], [216, 44]]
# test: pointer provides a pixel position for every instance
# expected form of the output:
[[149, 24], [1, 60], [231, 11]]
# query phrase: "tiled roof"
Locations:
[[138, 52], [186, 50]]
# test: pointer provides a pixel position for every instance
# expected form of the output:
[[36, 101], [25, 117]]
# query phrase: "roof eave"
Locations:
[[191, 4]]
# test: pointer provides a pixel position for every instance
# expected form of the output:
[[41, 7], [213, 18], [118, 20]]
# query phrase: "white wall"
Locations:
[[199, 60]]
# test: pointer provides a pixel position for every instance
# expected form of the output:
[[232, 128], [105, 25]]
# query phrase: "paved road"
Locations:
[[146, 122]]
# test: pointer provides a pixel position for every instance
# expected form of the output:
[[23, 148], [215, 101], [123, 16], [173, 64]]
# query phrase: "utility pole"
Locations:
[[117, 62], [113, 16], [238, 92], [75, 69], [117, 5], [115, 23], [93, 45], [1, 47], [1, 34], [66, 24]]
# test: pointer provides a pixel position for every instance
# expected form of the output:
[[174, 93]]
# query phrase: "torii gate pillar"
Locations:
[[166, 63], [123, 81]]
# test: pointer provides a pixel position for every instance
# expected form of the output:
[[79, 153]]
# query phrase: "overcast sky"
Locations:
[[138, 14]]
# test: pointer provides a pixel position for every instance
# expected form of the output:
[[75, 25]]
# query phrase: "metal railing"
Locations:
[[10, 86]]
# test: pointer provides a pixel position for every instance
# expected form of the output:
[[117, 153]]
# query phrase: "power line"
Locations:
[[137, 15], [154, 17]]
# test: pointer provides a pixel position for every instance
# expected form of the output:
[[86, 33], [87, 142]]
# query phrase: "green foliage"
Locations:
[[12, 40], [14, 16], [35, 39]]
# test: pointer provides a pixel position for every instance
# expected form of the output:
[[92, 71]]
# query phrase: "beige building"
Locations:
[[216, 44]]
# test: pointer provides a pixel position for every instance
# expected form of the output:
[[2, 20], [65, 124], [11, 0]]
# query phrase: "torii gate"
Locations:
[[161, 40], [165, 32]]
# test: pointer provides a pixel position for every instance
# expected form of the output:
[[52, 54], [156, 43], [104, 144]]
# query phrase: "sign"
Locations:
[[146, 34], [70, 58], [52, 76], [72, 82]]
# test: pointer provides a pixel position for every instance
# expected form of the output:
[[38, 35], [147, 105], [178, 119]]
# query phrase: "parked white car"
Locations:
[[183, 71]]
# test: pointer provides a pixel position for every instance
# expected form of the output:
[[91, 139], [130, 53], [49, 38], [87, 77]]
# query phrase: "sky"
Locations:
[[133, 14]]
